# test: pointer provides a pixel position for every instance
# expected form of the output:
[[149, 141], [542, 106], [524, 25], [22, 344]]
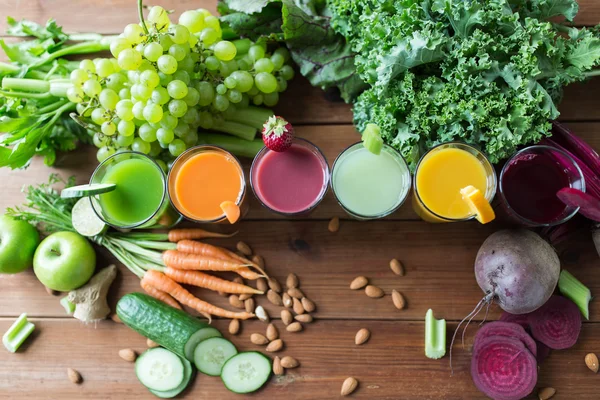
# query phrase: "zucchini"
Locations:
[[246, 372], [160, 369], [211, 354], [187, 377], [173, 329]]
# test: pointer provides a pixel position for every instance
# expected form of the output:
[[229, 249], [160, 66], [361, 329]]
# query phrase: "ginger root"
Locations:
[[90, 300]]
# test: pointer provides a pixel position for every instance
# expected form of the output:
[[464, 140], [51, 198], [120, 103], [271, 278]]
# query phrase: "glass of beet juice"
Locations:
[[530, 180], [292, 182]]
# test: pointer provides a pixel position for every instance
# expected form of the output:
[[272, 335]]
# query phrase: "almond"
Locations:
[[51, 292], [306, 318], [74, 376], [234, 326], [245, 296], [362, 336], [151, 343], [298, 309], [359, 282], [258, 260], [127, 355], [223, 294], [591, 360], [334, 225], [291, 281], [274, 298], [289, 362], [294, 327], [349, 386], [374, 291], [261, 314], [272, 332], [274, 285], [397, 267], [261, 284], [258, 339], [277, 368], [546, 393], [243, 248], [275, 346], [287, 300], [235, 301], [249, 304], [286, 317], [239, 279], [308, 304], [116, 319], [398, 300], [295, 293]]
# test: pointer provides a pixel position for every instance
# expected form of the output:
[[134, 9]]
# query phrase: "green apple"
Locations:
[[64, 261], [18, 240]]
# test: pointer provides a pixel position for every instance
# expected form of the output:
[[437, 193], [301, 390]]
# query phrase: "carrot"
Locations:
[[175, 235], [206, 281], [159, 295], [166, 284], [247, 273], [179, 260]]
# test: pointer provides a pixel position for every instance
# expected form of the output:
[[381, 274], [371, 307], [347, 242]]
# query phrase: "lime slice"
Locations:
[[372, 139], [84, 219], [87, 190]]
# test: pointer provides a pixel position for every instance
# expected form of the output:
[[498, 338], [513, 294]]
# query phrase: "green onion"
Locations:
[[372, 139], [435, 336], [17, 333], [576, 291]]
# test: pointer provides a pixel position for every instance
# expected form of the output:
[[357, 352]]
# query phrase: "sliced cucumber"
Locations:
[[211, 354], [246, 372], [197, 338], [159, 369], [84, 219], [187, 377], [87, 190]]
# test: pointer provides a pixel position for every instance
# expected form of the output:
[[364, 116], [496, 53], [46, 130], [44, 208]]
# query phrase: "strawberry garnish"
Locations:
[[277, 134]]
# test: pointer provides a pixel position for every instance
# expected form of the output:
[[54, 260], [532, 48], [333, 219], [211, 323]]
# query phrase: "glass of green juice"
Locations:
[[140, 198], [370, 186]]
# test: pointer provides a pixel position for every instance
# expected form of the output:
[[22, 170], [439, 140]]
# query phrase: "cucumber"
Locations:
[[187, 377], [211, 354], [246, 372], [84, 219], [87, 190], [159, 369], [173, 329]]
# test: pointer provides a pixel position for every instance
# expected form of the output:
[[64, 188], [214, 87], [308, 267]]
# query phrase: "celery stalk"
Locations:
[[67, 305], [372, 139], [435, 336], [237, 146], [17, 333], [576, 291]]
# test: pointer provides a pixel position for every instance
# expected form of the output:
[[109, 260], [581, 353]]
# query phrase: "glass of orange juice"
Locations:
[[201, 179], [440, 175]]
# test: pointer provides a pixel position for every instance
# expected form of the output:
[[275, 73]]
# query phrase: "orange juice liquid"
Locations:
[[203, 182], [439, 178]]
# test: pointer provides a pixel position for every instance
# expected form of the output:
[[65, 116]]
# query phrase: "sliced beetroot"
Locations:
[[508, 329], [543, 351], [589, 206], [557, 323], [503, 369], [520, 319]]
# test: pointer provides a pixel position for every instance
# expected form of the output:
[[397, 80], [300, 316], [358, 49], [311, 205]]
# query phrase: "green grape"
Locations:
[[253, 91], [187, 65], [245, 101], [153, 112], [179, 51], [227, 68], [206, 120], [165, 135], [104, 68], [92, 88], [207, 93], [165, 42], [191, 139], [281, 84], [109, 99], [99, 116], [87, 66], [160, 96], [181, 129], [265, 82], [244, 80], [124, 110], [168, 121], [177, 89], [155, 149], [277, 60], [176, 147], [167, 64], [138, 122], [100, 140], [140, 146], [124, 141], [129, 59], [220, 103], [133, 76], [108, 128], [78, 76], [191, 117], [140, 48], [149, 78], [182, 76], [271, 99], [193, 20], [138, 110], [162, 165], [164, 79], [162, 145], [177, 108], [147, 133], [104, 152], [75, 94], [193, 41], [134, 33], [263, 65], [179, 34], [257, 100], [126, 128], [212, 63], [192, 97], [152, 51], [243, 64], [209, 36], [225, 50], [221, 89], [115, 64], [83, 110], [141, 92], [159, 17], [118, 45], [116, 81], [286, 72], [282, 51], [213, 22], [234, 96], [256, 52], [230, 82], [124, 93]]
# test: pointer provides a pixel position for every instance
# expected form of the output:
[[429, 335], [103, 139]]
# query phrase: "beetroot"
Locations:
[[520, 319], [503, 368], [589, 206], [557, 323], [507, 329]]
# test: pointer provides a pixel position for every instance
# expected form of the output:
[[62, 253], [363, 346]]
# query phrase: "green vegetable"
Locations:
[[187, 376], [87, 190], [159, 369], [576, 291], [211, 354], [246, 372], [239, 147], [17, 333], [67, 305], [435, 336], [372, 139], [90, 300]]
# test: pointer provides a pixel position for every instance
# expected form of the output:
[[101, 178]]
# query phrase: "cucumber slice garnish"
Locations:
[[211, 354], [84, 219], [187, 377], [246, 372], [159, 369], [87, 190], [372, 140]]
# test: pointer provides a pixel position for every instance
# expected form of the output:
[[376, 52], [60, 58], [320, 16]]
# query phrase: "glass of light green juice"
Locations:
[[370, 186], [140, 198]]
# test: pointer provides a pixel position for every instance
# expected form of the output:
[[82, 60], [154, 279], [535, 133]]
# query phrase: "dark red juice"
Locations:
[[530, 183]]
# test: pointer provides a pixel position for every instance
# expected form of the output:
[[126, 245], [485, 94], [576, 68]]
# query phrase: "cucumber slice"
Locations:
[[211, 354], [187, 377], [84, 219], [87, 190], [196, 338], [246, 372], [159, 369]]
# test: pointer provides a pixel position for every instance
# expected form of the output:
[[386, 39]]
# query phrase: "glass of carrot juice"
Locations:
[[201, 179], [440, 175]]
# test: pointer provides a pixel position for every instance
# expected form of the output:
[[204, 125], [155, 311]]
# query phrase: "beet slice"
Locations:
[[520, 319], [503, 369], [543, 351], [508, 329], [589, 206], [557, 323]]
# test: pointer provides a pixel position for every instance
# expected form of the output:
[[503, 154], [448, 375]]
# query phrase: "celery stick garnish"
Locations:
[[372, 140], [576, 291], [17, 333], [435, 336], [68, 306]]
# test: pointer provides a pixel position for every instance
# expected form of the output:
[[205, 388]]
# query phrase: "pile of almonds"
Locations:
[[375, 292]]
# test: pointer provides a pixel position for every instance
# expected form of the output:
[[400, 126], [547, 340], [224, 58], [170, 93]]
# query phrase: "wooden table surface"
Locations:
[[438, 260]]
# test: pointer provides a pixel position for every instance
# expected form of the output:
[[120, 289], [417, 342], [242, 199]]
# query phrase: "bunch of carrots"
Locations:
[[164, 261]]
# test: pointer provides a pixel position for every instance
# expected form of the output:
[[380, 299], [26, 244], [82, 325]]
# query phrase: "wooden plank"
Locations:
[[438, 260], [390, 366]]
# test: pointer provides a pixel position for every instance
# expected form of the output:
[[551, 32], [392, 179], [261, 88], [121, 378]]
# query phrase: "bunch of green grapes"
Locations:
[[167, 80]]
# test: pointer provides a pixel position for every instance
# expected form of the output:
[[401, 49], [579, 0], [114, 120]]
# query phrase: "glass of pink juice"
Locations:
[[292, 182]]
